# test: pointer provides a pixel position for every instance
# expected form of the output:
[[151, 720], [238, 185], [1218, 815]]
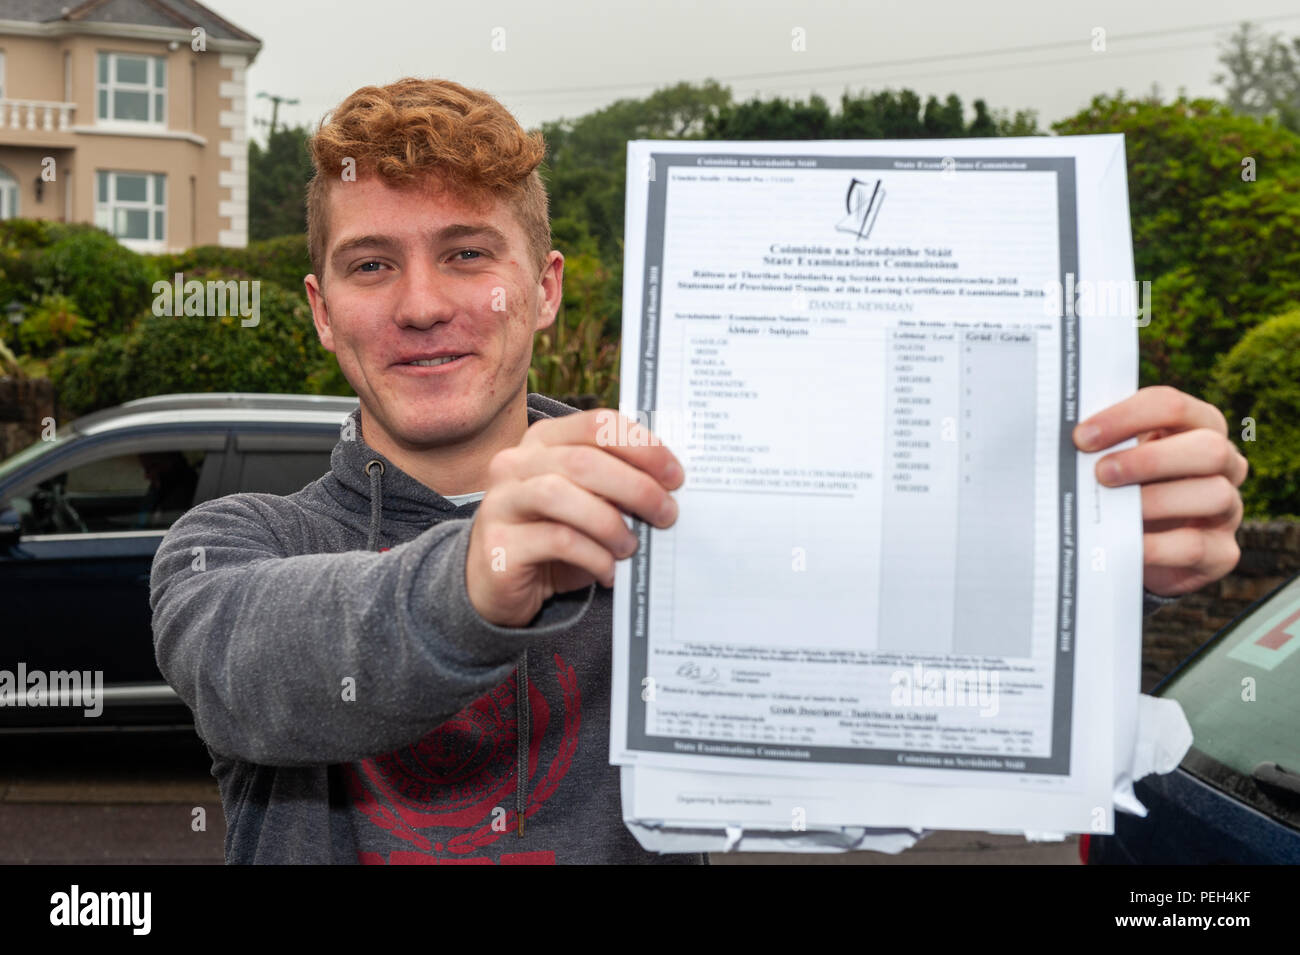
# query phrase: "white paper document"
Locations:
[[895, 597]]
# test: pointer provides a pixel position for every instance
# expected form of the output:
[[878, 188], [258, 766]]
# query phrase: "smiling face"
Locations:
[[416, 274]]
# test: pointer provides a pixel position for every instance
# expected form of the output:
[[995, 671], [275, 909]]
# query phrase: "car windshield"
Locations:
[[1242, 693]]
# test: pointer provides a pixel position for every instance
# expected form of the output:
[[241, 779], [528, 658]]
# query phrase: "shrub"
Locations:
[[1222, 252], [282, 260], [1246, 269], [328, 379], [1179, 154], [25, 234], [21, 243], [22, 234], [16, 280], [52, 324], [110, 284], [89, 377], [1187, 331], [1259, 380], [164, 354], [578, 354]]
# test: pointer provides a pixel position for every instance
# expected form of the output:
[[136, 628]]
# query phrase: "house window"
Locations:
[[8, 195], [131, 88], [132, 206]]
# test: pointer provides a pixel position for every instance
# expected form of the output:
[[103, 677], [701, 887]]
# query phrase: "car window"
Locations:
[[1242, 699], [284, 472], [23, 458], [147, 490]]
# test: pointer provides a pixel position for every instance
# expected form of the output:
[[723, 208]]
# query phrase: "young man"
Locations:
[[408, 660]]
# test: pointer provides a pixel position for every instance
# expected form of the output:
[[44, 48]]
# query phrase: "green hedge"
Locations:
[[22, 243], [1259, 380], [163, 354], [109, 283], [283, 260], [1222, 253], [1179, 155]]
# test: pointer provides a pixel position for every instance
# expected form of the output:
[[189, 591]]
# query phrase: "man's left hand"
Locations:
[[1189, 472]]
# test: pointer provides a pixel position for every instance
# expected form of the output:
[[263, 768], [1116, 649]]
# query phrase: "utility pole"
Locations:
[[275, 107]]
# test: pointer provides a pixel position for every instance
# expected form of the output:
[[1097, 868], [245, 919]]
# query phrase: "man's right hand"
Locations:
[[550, 519]]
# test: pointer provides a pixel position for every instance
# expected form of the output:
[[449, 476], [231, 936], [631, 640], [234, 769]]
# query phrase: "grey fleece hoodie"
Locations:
[[356, 706]]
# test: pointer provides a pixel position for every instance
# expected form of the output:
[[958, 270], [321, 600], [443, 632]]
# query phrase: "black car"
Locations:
[[81, 517], [1236, 796]]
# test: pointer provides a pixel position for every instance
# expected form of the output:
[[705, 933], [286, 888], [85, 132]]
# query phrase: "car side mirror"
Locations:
[[11, 528]]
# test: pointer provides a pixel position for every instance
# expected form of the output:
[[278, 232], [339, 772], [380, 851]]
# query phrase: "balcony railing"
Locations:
[[35, 114]]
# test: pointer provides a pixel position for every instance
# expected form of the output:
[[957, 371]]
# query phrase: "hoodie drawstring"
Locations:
[[523, 718], [376, 501]]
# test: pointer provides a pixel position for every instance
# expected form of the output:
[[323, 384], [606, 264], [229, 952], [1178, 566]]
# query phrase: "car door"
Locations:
[[75, 586]]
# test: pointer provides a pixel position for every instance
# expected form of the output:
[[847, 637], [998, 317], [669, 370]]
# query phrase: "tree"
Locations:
[[1221, 249], [586, 157], [277, 184], [586, 167], [1263, 75], [885, 114], [1179, 154], [773, 119]]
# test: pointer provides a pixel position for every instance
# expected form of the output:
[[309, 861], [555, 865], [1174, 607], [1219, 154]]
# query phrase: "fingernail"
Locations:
[[1088, 434], [673, 473], [667, 512], [1109, 472]]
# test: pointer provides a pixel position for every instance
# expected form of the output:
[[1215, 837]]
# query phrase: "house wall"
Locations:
[[203, 151]]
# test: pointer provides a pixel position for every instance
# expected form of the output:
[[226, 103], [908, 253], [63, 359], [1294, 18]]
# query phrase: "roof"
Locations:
[[189, 411], [219, 406], [176, 14]]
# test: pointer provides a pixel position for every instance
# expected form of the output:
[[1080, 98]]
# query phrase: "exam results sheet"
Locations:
[[895, 593]]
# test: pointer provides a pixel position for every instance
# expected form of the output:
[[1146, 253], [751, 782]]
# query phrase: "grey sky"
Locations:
[[568, 58]]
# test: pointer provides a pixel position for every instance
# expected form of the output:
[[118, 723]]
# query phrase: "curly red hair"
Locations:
[[432, 133]]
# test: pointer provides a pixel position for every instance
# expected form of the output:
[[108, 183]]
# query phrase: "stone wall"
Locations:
[[1270, 553], [24, 402]]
